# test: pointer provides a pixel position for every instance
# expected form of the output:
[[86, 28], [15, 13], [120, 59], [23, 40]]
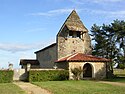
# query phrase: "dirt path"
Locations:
[[31, 89], [113, 83]]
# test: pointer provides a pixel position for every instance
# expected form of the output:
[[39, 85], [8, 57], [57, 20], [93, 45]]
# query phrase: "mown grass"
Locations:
[[117, 79], [9, 88], [80, 87]]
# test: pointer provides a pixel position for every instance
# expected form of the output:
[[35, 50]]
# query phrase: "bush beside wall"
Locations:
[[48, 75], [6, 76]]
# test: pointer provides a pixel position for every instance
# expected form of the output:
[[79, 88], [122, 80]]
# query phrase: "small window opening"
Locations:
[[74, 34], [70, 34], [79, 34]]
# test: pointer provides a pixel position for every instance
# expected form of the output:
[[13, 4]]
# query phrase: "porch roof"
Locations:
[[30, 61], [79, 57]]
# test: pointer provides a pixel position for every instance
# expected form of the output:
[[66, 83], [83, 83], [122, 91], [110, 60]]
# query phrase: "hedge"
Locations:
[[6, 76], [48, 75]]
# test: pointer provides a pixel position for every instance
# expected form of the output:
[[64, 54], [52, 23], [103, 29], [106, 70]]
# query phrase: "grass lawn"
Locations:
[[9, 88], [117, 79], [80, 87]]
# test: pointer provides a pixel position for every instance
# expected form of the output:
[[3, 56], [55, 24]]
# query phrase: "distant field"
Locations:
[[9, 88], [120, 76], [119, 72], [80, 87]]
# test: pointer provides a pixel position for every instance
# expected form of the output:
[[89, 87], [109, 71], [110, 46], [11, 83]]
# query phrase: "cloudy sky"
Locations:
[[29, 25]]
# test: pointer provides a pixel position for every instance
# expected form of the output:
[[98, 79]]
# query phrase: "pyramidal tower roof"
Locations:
[[74, 23]]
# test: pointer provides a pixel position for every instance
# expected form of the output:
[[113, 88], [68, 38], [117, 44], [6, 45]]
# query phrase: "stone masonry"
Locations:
[[73, 37]]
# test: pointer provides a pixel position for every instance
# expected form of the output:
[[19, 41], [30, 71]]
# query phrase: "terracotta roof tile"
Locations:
[[82, 57]]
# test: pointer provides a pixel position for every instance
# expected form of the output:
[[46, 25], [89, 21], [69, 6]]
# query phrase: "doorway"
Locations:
[[87, 70]]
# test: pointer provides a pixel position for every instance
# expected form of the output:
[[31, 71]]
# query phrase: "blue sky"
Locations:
[[29, 25]]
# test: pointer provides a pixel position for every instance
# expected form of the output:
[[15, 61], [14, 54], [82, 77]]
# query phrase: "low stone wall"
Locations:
[[20, 74], [46, 69]]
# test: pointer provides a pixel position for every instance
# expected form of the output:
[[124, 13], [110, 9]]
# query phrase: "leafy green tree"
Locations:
[[104, 41], [109, 41], [119, 28]]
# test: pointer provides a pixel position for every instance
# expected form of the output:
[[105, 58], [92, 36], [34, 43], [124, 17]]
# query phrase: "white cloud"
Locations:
[[95, 1], [13, 52], [17, 47], [117, 14], [106, 1], [52, 12], [20, 47], [78, 2], [105, 13]]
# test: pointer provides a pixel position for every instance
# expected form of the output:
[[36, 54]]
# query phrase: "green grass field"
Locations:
[[80, 87], [9, 88], [73, 87], [117, 79]]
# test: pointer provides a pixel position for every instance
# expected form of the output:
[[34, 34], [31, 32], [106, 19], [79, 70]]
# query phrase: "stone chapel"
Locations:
[[72, 49]]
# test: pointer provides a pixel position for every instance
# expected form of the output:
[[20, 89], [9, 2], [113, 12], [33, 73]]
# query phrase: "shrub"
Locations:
[[77, 73], [48, 75], [121, 66], [6, 76]]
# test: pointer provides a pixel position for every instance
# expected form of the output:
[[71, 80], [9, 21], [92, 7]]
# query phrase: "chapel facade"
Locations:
[[72, 49]]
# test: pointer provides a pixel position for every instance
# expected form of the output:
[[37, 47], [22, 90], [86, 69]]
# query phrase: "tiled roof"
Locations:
[[83, 58], [45, 48], [30, 61]]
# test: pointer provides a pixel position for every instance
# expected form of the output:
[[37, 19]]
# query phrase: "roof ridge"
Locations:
[[64, 57], [65, 21], [72, 56], [68, 56], [44, 48], [70, 20]]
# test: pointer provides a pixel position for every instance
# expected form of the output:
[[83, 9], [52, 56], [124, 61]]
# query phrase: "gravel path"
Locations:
[[31, 89]]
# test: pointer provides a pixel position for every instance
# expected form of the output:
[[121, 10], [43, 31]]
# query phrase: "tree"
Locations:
[[119, 28], [109, 41], [104, 41]]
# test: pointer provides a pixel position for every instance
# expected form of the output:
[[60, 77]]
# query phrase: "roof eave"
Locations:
[[83, 61], [45, 48]]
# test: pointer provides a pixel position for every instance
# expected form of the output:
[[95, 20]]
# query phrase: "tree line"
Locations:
[[109, 41]]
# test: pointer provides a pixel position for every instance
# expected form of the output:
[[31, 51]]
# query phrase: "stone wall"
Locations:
[[20, 74], [68, 45], [62, 65], [47, 57], [98, 69], [73, 65]]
